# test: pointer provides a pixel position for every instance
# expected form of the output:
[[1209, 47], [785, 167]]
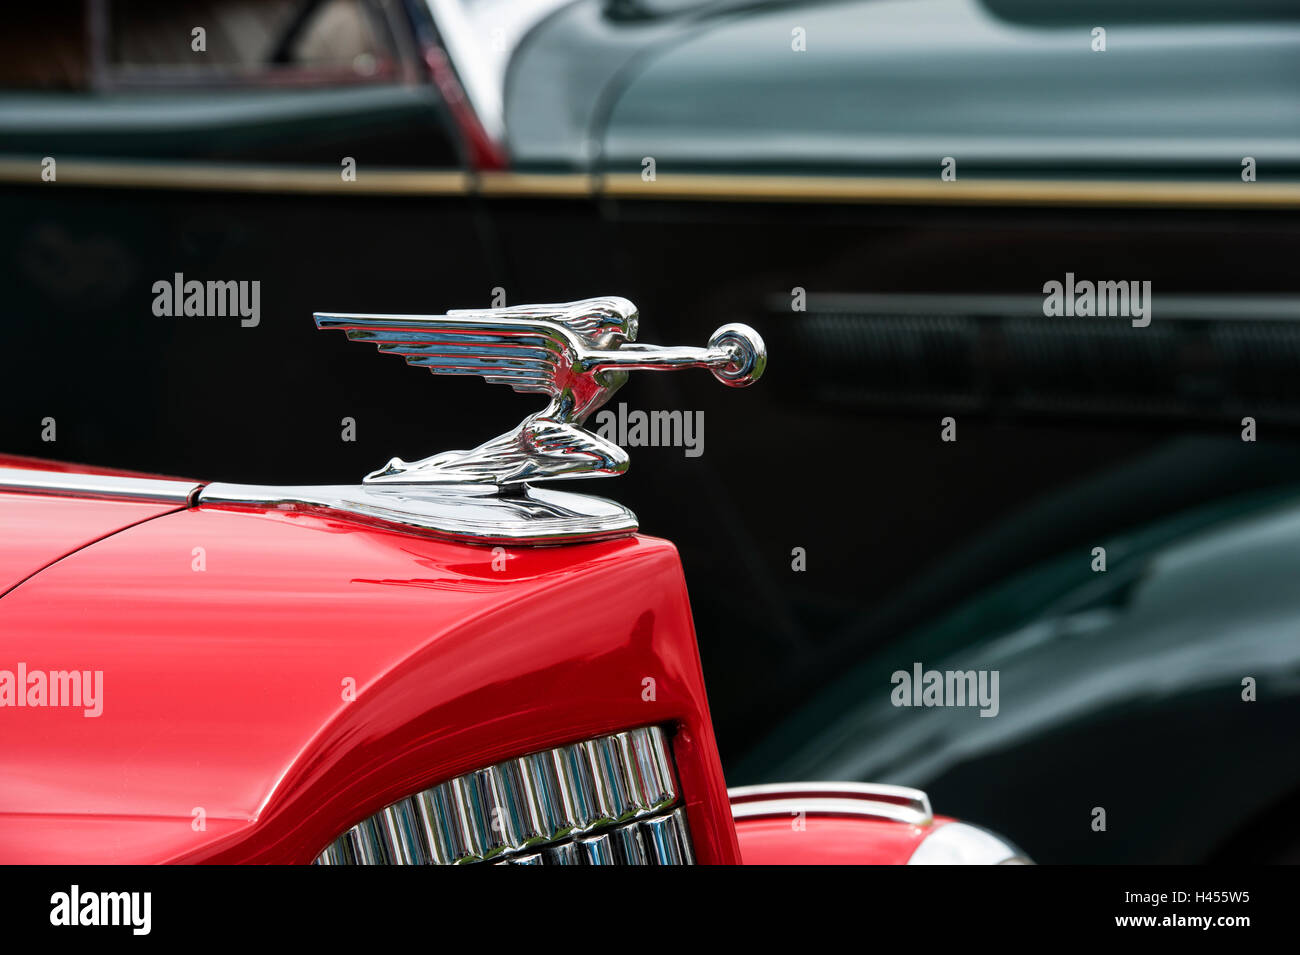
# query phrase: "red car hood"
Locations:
[[269, 678], [37, 530]]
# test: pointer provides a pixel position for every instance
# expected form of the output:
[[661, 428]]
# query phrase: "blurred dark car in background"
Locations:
[[883, 188]]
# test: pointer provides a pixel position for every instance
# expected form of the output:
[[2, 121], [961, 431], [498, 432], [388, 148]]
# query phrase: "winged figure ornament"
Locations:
[[577, 354]]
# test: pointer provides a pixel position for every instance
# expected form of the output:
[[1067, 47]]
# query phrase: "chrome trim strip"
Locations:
[[24, 480], [238, 177], [740, 187], [960, 843], [932, 191], [468, 513], [873, 800], [582, 804]]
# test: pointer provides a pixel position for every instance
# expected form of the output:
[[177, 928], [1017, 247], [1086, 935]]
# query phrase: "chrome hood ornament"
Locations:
[[576, 353]]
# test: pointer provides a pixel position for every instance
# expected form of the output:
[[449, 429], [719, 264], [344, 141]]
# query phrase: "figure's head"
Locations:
[[605, 322]]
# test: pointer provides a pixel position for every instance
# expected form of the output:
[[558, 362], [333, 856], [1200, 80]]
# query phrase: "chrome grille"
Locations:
[[613, 800]]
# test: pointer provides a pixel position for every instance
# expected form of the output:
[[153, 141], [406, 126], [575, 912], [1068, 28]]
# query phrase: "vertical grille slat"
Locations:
[[528, 812], [403, 832], [566, 853], [369, 843], [570, 801], [612, 800], [581, 782], [654, 764], [634, 789], [661, 841], [468, 801], [683, 836], [502, 833], [597, 850], [631, 846]]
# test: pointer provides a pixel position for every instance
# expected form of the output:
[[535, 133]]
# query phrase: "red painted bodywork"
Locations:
[[830, 840], [227, 636], [39, 531], [223, 687]]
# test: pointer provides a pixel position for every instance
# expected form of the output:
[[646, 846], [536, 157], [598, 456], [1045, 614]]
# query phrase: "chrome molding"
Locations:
[[276, 179], [469, 513], [908, 190], [960, 843], [577, 354], [104, 486], [282, 178], [877, 801], [606, 801]]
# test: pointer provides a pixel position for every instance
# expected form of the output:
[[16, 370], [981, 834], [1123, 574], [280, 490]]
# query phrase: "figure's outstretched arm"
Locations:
[[735, 354]]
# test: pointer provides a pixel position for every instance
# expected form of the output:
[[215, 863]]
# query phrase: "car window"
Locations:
[[112, 44], [252, 81], [214, 42], [44, 48]]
